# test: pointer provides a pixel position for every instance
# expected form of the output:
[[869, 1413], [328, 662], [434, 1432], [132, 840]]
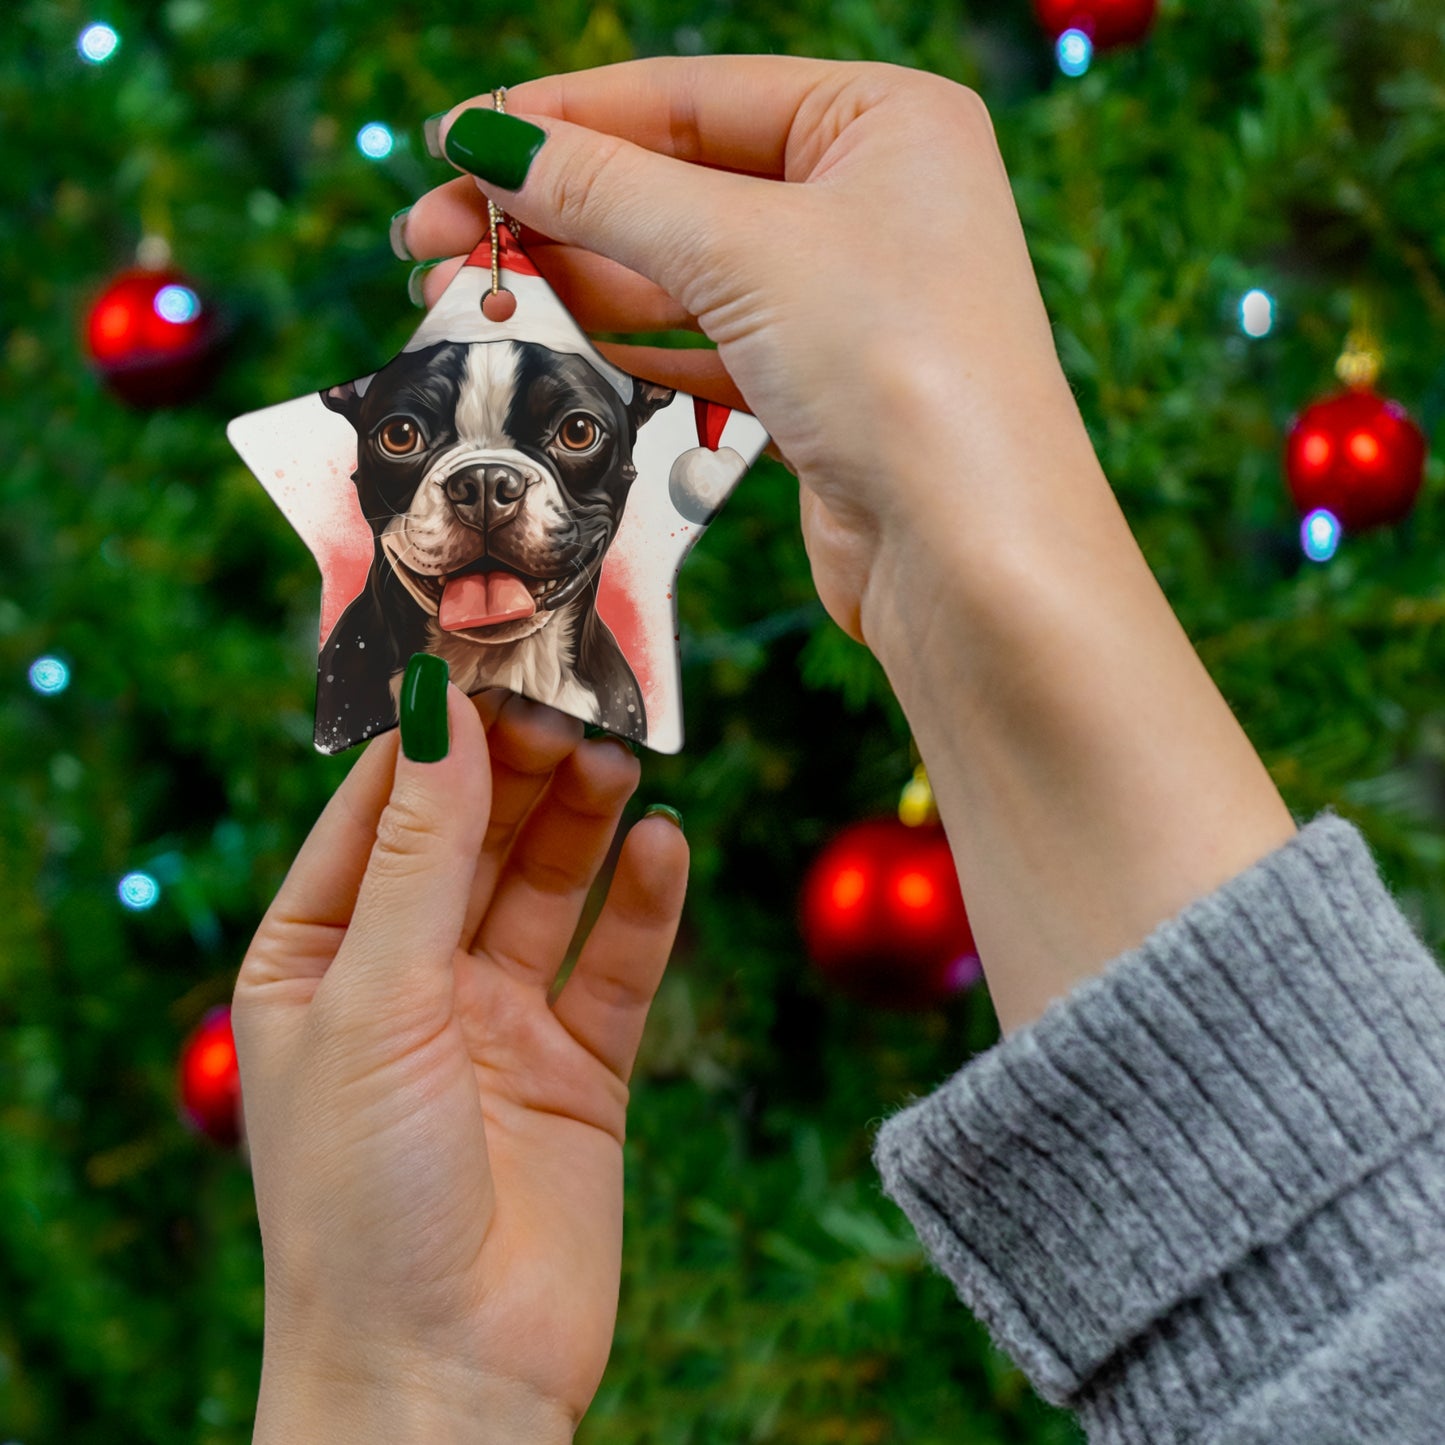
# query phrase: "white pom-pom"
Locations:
[[701, 481]]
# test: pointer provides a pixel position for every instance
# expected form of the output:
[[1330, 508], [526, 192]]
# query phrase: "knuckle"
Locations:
[[650, 913], [887, 75], [615, 991], [684, 130], [551, 876], [406, 833], [973, 110], [963, 105], [576, 195]]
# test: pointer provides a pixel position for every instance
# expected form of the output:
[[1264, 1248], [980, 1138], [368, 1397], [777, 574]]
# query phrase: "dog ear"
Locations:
[[647, 398], [346, 398]]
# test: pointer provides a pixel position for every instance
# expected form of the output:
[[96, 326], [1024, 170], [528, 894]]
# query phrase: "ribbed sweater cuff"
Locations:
[[1188, 1122]]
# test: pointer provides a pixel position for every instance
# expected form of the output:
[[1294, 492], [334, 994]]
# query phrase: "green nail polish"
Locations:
[[424, 734], [414, 290], [671, 814], [498, 148], [431, 133], [397, 235]]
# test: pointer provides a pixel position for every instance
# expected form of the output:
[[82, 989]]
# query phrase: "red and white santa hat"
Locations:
[[539, 316]]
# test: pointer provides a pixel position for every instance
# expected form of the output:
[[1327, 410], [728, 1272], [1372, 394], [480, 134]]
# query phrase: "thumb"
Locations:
[[666, 219], [396, 960]]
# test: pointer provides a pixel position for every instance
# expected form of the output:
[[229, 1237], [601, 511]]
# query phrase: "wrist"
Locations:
[[1092, 778], [995, 479], [960, 571], [403, 1401]]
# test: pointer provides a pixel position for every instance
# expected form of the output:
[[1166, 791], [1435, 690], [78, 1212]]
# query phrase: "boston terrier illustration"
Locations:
[[494, 476]]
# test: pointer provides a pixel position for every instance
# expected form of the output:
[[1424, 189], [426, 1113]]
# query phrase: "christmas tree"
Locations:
[[158, 632]]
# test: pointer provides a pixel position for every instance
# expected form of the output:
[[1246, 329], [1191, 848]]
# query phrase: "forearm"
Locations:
[[1092, 779]]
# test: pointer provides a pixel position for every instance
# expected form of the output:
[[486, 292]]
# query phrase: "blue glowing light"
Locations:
[[375, 140], [97, 44], [1320, 535], [1256, 313], [49, 675], [1075, 52], [177, 304], [138, 891]]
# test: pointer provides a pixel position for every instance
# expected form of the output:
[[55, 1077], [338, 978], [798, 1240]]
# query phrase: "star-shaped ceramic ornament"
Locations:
[[503, 497]]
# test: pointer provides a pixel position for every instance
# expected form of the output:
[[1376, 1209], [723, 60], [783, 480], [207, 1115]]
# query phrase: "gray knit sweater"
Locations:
[[1202, 1199]]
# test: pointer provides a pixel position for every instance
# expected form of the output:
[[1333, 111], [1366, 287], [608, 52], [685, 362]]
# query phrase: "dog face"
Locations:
[[494, 476]]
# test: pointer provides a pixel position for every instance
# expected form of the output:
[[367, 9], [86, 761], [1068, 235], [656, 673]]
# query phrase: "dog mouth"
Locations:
[[488, 593]]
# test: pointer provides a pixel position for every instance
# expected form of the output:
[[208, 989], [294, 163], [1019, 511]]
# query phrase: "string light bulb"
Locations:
[[1256, 313], [49, 676], [97, 43], [375, 141], [138, 891]]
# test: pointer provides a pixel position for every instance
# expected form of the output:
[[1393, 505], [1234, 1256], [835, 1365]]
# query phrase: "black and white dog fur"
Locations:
[[474, 460]]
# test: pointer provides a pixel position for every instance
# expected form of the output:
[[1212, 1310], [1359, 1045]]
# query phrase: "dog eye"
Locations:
[[400, 436], [579, 432]]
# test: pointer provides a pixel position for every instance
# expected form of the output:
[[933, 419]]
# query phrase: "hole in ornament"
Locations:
[[499, 305]]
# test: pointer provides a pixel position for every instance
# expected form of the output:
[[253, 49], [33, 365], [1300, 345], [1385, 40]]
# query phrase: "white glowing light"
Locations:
[[97, 43], [1256, 313], [375, 140], [177, 304], [138, 891], [1075, 52], [1320, 535], [49, 675]]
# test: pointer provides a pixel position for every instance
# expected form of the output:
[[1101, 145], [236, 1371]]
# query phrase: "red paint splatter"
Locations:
[[343, 547], [617, 606]]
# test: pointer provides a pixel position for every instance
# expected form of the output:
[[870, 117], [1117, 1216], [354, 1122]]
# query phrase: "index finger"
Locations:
[[735, 112]]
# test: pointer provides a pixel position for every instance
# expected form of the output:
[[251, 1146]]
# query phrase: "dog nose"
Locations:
[[487, 495], [497, 484], [504, 484], [462, 488]]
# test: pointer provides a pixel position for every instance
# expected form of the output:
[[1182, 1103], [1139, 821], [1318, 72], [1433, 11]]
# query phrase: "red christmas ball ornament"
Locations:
[[883, 918], [152, 338], [1359, 456], [1107, 23], [210, 1081]]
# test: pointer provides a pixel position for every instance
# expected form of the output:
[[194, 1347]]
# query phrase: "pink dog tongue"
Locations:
[[480, 599]]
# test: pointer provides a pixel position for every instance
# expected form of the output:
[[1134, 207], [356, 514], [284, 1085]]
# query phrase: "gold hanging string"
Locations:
[[494, 212]]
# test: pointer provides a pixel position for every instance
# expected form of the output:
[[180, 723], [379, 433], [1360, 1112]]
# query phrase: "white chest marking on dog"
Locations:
[[486, 395], [540, 665]]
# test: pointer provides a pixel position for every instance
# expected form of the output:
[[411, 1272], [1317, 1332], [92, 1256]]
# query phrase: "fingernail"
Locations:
[[663, 811], [498, 148], [424, 733], [431, 133], [413, 282], [398, 235]]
